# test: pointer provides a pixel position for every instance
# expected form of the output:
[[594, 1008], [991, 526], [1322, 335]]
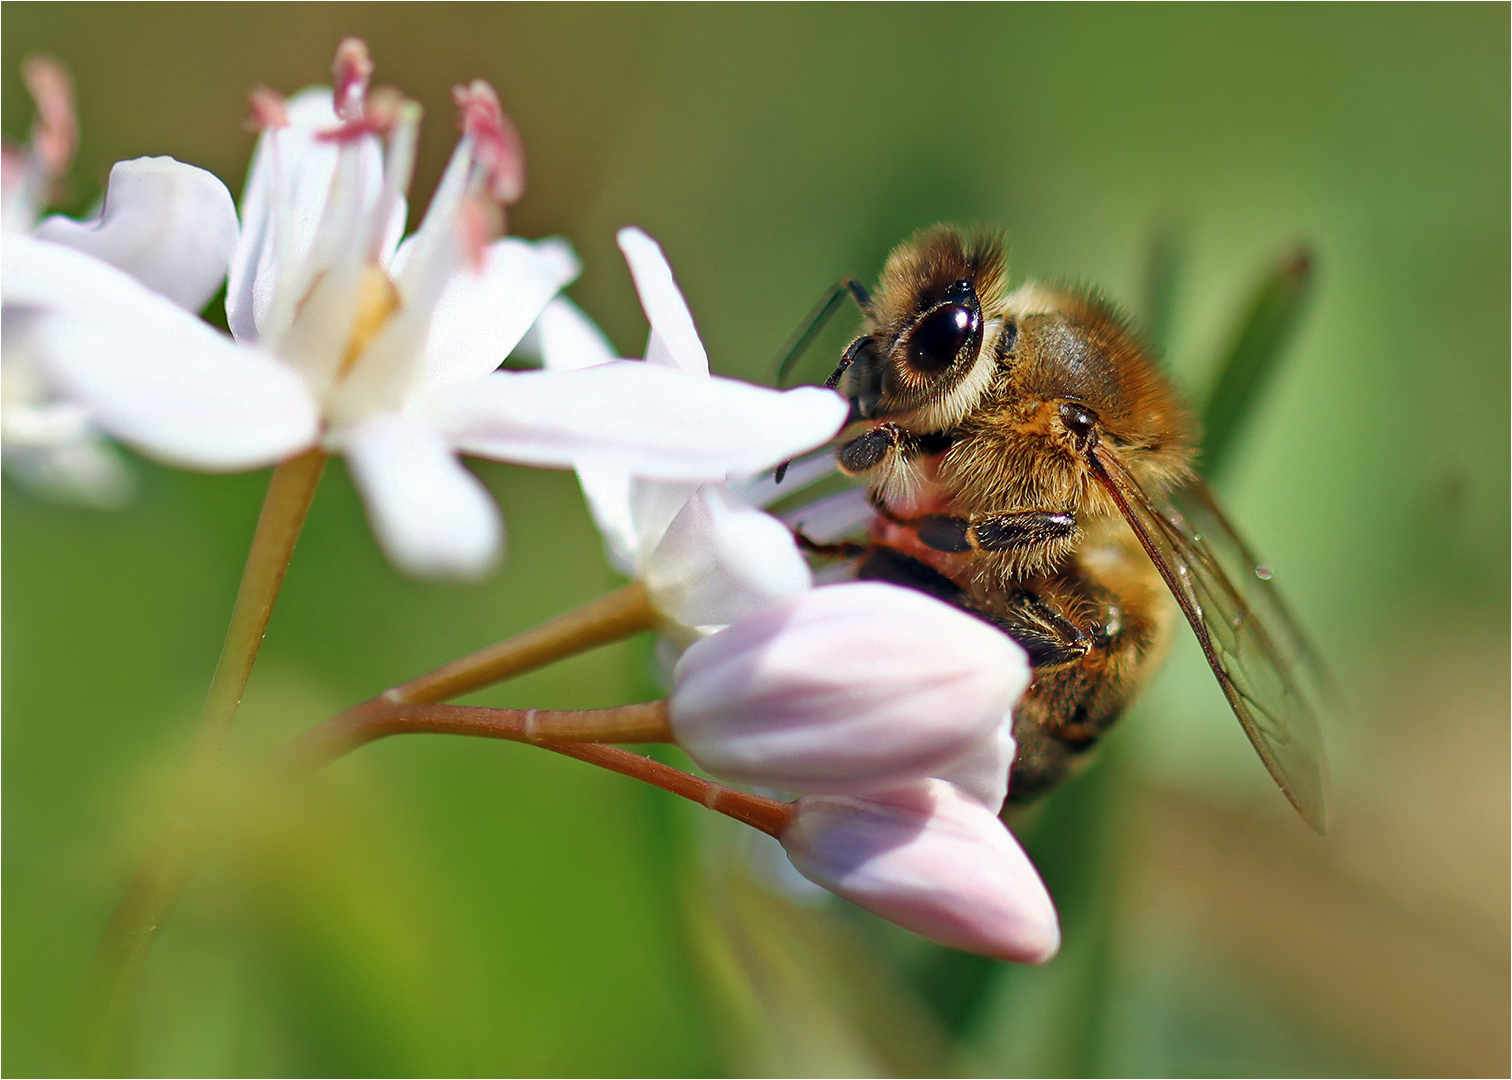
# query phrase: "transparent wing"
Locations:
[[1268, 671]]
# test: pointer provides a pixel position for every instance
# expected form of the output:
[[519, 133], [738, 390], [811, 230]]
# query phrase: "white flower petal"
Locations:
[[654, 422], [564, 338], [169, 225], [208, 404], [721, 560], [50, 277], [606, 489], [432, 517], [674, 338], [482, 315]]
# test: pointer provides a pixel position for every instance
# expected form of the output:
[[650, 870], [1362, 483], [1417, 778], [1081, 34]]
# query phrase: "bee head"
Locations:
[[933, 330]]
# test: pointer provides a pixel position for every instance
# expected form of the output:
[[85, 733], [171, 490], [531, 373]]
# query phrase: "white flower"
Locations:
[[387, 351], [170, 226], [706, 556], [852, 688], [932, 860]]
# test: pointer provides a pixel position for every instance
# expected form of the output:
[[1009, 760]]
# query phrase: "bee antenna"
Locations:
[[818, 317]]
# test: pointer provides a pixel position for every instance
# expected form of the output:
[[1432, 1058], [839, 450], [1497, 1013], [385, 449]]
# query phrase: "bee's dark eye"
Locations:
[[1081, 422], [938, 339]]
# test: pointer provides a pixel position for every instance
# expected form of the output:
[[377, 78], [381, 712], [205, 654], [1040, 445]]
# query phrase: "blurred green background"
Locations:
[[455, 907]]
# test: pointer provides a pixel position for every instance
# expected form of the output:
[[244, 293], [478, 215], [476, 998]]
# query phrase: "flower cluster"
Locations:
[[347, 338], [886, 711]]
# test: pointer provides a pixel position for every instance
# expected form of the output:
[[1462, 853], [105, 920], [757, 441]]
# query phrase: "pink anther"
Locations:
[[497, 145], [267, 110], [55, 133], [379, 115], [352, 70]]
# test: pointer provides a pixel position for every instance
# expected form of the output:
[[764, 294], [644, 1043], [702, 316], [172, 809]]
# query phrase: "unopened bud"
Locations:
[[844, 689], [932, 860]]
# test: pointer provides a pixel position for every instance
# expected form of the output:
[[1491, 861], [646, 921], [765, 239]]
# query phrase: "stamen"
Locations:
[[379, 114], [351, 72], [497, 146], [482, 222], [377, 299], [268, 110], [55, 133], [398, 166]]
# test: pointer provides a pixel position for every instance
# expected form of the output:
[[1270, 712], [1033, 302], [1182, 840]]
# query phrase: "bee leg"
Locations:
[[1050, 638], [843, 550], [866, 452], [1068, 708], [994, 532], [892, 566]]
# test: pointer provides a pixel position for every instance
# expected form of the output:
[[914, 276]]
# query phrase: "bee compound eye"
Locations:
[[1081, 422], [937, 340]]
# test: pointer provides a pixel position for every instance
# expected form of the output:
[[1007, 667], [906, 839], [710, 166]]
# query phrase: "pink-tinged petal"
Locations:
[[933, 861], [844, 689], [564, 338], [845, 513], [720, 560], [432, 517], [766, 489], [169, 225], [50, 277], [654, 422], [209, 404], [982, 772], [674, 338], [482, 315]]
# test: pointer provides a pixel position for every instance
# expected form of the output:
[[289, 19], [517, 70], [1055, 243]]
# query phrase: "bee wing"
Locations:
[[1267, 669]]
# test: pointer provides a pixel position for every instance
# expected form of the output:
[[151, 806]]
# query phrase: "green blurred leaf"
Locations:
[[1259, 346], [1162, 278]]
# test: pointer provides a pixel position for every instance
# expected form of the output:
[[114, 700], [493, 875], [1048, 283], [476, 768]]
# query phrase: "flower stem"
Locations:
[[617, 615], [771, 816], [575, 733], [134, 924], [379, 719], [283, 515]]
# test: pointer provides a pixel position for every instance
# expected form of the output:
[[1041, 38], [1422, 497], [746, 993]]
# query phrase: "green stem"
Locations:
[[134, 924], [378, 719], [611, 617], [576, 733]]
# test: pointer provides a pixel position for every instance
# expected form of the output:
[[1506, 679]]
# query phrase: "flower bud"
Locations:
[[845, 689], [932, 860]]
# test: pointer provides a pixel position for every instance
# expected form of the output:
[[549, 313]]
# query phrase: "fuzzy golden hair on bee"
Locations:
[[922, 268], [1074, 343]]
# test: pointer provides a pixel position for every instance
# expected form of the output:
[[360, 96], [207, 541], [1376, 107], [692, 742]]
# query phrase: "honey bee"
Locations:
[[1029, 463]]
